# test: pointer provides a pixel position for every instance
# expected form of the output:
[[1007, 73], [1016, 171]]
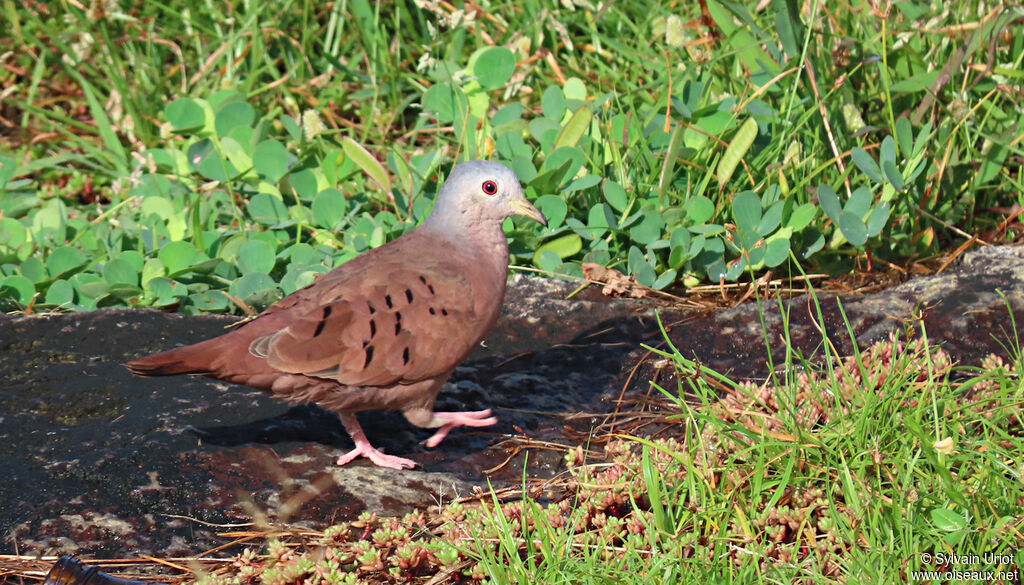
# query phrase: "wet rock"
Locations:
[[99, 461]]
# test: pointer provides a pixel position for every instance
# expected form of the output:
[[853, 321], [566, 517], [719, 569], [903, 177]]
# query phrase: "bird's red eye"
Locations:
[[490, 187]]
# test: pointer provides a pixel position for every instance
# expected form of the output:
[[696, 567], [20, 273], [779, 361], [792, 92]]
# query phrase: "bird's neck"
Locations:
[[481, 245]]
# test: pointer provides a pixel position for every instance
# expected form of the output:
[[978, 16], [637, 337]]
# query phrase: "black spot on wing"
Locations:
[[323, 321], [430, 287]]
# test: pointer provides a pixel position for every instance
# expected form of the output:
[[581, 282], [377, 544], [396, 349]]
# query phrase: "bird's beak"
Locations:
[[523, 207]]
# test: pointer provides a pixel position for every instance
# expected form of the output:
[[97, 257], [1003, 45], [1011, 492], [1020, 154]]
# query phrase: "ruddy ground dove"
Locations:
[[387, 328]]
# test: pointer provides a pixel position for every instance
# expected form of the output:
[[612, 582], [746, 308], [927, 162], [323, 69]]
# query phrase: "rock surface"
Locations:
[[99, 461]]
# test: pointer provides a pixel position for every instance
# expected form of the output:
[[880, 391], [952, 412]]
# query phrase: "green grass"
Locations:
[[675, 151], [890, 462], [860, 474]]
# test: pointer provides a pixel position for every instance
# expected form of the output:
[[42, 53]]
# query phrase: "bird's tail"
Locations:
[[191, 359]]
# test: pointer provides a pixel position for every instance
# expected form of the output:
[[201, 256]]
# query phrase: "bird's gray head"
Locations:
[[479, 195]]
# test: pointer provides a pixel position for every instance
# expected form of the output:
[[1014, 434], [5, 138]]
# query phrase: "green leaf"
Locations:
[[445, 101], [303, 254], [303, 183], [947, 520], [329, 208], [366, 161], [17, 287], [577, 126], [637, 265], [565, 247], [615, 195], [789, 26], [679, 237], [547, 260], [736, 150], [254, 288], [510, 145], [552, 103], [33, 269], [581, 184], [12, 237], [7, 168], [120, 271], [776, 251], [233, 115], [493, 67], [64, 261], [236, 153], [771, 219], [128, 293], [878, 218], [266, 209], [664, 279], [524, 169], [60, 293], [210, 300], [649, 228], [887, 151], [216, 168], [299, 276], [575, 89], [746, 210], [161, 206], [507, 114], [166, 291], [256, 256], [866, 164], [152, 268], [893, 175], [905, 137], [185, 114], [802, 216], [544, 131], [599, 218], [52, 216], [859, 202], [852, 228], [291, 126], [560, 165], [270, 160], [553, 208], [829, 202], [915, 83], [89, 287], [178, 256], [699, 209]]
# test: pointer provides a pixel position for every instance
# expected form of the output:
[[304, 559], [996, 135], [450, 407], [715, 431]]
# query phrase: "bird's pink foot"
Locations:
[[451, 420], [378, 458], [363, 448]]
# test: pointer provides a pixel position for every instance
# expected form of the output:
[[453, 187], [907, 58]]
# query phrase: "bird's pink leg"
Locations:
[[451, 420], [365, 449]]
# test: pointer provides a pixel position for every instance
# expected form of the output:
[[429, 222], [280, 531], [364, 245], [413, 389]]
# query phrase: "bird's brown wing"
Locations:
[[395, 324]]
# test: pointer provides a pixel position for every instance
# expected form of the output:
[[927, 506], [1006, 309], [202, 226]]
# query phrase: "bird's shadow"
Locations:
[[309, 423], [300, 423]]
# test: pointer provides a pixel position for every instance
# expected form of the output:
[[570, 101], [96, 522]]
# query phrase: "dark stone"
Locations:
[[99, 461]]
